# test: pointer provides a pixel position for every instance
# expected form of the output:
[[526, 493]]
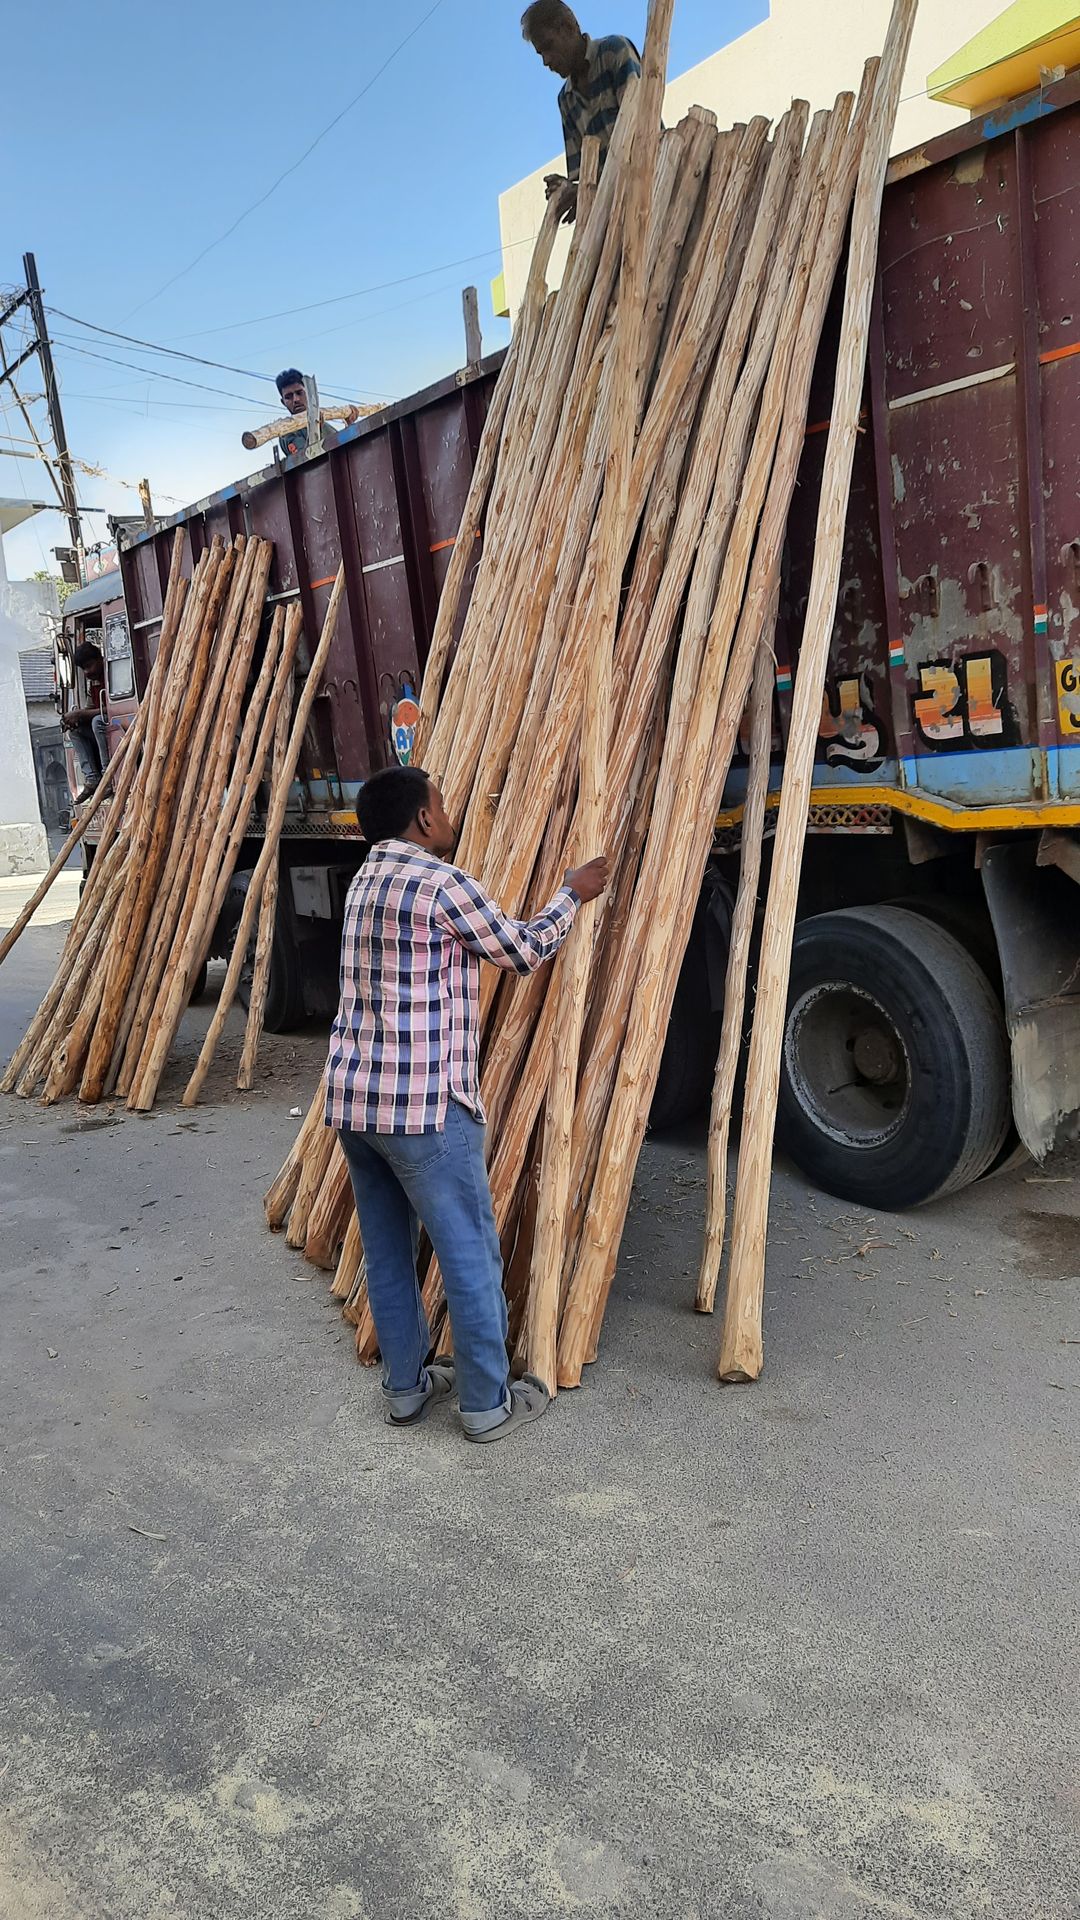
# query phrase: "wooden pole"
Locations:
[[316, 1164], [624, 406], [588, 175], [151, 850], [680, 826], [274, 823], [329, 1218], [122, 769], [120, 950], [212, 870], [264, 940], [350, 1261], [126, 746], [42, 1041], [503, 413], [294, 422], [282, 1191], [742, 927], [741, 1350], [200, 797], [470, 312]]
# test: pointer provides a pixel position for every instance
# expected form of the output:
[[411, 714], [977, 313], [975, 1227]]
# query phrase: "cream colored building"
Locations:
[[810, 49]]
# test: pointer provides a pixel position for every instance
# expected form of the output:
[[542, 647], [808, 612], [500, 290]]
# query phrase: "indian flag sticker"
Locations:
[[1040, 618], [896, 653], [783, 679]]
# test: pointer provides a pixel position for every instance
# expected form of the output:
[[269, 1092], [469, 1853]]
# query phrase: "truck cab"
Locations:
[[97, 613]]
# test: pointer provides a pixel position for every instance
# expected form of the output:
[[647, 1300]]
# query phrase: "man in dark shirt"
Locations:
[[290, 385], [595, 72], [85, 726]]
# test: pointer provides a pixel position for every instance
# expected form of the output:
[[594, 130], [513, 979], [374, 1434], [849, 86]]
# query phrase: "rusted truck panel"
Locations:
[[955, 688], [387, 500]]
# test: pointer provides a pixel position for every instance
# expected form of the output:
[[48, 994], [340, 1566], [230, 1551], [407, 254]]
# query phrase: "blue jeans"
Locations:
[[401, 1180], [89, 742]]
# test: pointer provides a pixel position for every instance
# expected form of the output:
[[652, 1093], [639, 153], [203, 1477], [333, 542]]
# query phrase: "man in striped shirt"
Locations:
[[403, 1092], [595, 73]]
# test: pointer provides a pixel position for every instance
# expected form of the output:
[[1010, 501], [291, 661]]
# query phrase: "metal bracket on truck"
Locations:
[[1036, 914]]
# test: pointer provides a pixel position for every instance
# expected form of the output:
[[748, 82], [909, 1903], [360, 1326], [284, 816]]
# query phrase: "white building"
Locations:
[[804, 50], [23, 844]]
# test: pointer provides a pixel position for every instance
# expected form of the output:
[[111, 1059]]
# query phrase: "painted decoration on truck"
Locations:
[[965, 703], [1068, 691], [403, 718], [850, 730]]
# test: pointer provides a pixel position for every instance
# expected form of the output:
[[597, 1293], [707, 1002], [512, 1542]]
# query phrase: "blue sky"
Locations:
[[142, 132]]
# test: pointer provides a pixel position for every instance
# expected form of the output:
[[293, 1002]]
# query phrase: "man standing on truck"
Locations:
[[85, 726], [403, 1092], [595, 72], [290, 385]]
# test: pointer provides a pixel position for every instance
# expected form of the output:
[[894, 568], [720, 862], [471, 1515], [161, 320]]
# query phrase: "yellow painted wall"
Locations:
[[1007, 57]]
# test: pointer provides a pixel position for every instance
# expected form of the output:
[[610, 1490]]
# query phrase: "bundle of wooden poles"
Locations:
[[632, 489], [181, 789]]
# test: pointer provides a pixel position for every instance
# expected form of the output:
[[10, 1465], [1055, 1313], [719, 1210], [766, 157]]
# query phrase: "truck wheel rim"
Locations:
[[848, 1065]]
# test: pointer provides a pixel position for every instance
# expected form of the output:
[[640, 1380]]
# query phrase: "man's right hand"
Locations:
[[589, 881]]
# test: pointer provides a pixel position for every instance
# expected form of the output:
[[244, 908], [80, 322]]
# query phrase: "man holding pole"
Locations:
[[595, 73], [403, 1092], [85, 726], [290, 385]]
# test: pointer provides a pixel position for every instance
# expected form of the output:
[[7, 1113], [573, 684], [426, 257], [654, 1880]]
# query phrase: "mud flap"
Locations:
[[1036, 916]]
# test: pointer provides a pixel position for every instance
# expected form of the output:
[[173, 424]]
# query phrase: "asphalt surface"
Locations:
[[806, 1649]]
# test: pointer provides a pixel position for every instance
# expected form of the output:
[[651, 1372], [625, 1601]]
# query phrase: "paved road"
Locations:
[[805, 1650], [58, 905]]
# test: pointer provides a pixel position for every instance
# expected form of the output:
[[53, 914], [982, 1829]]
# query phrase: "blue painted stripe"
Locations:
[[978, 776]]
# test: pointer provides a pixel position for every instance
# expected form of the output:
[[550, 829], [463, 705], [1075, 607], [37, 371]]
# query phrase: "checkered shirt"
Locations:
[[407, 1034], [612, 62]]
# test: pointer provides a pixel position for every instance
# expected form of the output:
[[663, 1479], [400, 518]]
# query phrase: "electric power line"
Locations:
[[176, 353], [154, 373], [143, 405], [275, 184], [335, 299]]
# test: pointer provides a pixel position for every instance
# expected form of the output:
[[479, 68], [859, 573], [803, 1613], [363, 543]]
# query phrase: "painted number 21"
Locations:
[[962, 702]]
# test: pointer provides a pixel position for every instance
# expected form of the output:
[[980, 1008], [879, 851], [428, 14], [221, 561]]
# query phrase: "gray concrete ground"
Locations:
[[806, 1649]]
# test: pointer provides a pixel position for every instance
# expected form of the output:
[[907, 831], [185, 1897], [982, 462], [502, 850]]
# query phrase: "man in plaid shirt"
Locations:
[[595, 72], [403, 1092]]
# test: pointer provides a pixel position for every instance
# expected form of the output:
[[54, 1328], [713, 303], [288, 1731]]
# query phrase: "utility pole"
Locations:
[[52, 400]]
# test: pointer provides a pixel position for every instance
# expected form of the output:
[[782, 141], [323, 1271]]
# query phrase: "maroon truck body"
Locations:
[[387, 500], [951, 719]]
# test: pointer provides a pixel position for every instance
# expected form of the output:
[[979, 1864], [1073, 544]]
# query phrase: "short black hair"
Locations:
[[292, 377], [544, 14], [87, 655], [389, 802]]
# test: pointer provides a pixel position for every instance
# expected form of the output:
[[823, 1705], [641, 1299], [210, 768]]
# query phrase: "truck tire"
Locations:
[[285, 1008], [688, 1062], [285, 989], [894, 1085]]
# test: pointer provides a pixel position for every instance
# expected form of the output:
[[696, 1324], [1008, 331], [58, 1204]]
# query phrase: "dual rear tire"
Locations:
[[894, 1084], [895, 1073]]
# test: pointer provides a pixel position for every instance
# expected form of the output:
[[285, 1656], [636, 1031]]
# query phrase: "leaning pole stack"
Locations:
[[181, 788], [625, 531]]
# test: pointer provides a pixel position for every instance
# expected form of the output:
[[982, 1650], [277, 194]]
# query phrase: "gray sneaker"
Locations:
[[441, 1384], [529, 1400]]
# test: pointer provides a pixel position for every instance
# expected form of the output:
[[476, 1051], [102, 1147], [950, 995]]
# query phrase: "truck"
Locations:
[[933, 1032]]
